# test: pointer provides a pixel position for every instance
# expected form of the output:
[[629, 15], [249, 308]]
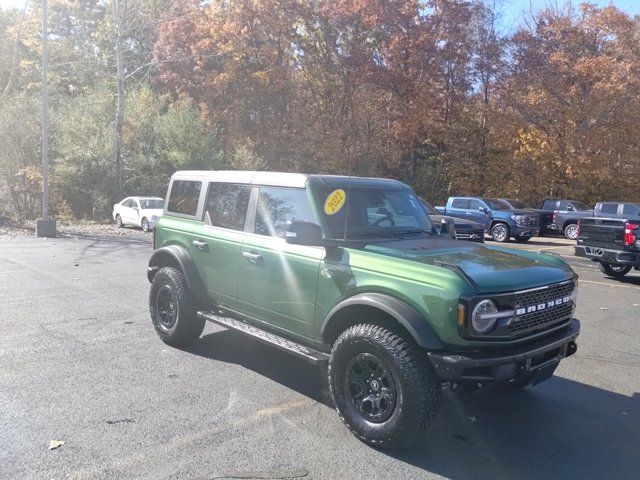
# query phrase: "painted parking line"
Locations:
[[613, 285]]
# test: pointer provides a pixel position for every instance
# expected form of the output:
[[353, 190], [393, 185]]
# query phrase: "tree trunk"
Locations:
[[118, 17]]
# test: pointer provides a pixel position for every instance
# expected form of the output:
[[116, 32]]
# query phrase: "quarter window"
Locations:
[[550, 205], [227, 205], [184, 197], [631, 210], [277, 206]]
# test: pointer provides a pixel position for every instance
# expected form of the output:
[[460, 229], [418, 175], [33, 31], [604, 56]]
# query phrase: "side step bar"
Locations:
[[309, 354]]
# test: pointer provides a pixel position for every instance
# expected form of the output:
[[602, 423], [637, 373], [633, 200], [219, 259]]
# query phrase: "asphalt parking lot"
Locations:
[[80, 363]]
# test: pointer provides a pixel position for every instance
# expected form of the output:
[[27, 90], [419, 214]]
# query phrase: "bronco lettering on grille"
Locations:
[[541, 306]]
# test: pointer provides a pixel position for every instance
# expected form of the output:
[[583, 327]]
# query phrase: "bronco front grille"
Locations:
[[549, 315]]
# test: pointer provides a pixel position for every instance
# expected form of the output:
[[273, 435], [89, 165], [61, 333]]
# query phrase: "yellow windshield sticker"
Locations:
[[335, 201]]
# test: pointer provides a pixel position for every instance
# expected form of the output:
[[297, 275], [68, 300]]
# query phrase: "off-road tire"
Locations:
[[417, 386], [571, 231], [119, 223], [186, 326], [144, 224], [497, 233], [616, 271]]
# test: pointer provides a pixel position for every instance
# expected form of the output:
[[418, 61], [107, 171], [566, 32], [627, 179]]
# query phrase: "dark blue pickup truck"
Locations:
[[499, 219]]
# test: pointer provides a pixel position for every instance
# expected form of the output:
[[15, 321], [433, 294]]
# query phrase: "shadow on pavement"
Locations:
[[292, 372], [560, 428]]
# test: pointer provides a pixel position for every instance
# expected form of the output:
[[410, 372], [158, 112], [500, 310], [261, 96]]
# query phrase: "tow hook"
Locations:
[[572, 347]]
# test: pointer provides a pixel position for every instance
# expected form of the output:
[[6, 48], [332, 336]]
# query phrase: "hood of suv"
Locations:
[[492, 269]]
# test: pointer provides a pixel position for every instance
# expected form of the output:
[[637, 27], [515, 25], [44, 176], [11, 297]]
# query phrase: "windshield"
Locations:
[[151, 203], [516, 204], [495, 204], [580, 206], [371, 212]]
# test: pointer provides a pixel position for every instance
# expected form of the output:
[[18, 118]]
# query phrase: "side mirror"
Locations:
[[448, 228], [570, 209], [483, 209], [303, 233]]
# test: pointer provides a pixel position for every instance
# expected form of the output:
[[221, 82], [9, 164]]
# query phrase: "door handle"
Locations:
[[200, 245], [254, 258]]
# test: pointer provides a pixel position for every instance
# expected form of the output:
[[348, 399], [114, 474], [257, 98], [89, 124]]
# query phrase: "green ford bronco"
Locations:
[[349, 273]]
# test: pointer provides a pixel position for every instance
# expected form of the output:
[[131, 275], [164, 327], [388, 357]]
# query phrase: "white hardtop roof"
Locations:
[[276, 179], [143, 198]]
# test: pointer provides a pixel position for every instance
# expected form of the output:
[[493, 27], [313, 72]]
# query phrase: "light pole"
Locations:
[[45, 226]]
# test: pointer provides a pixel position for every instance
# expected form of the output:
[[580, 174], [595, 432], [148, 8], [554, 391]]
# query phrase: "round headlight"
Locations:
[[483, 317]]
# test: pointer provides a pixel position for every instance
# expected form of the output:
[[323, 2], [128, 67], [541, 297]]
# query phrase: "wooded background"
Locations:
[[433, 93]]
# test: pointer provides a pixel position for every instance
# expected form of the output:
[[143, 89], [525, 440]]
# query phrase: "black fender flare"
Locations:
[[405, 315], [177, 255]]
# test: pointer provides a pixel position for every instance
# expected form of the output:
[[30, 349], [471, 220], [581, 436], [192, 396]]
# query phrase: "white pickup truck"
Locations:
[[142, 212]]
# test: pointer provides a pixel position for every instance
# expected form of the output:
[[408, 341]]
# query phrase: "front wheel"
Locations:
[[173, 309], [119, 223], [615, 270], [571, 231], [383, 388], [500, 232], [145, 224]]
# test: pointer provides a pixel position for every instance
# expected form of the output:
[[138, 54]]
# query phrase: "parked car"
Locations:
[[544, 218], [612, 242], [142, 212], [464, 229], [346, 273], [565, 215], [497, 218]]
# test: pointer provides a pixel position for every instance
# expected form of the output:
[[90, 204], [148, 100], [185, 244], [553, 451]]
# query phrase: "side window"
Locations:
[[277, 206], [227, 205], [460, 203], [565, 206], [609, 208], [549, 205], [126, 203], [184, 197], [631, 210], [475, 204]]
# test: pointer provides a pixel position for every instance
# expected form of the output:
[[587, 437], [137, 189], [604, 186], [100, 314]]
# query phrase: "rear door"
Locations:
[[216, 242], [278, 281], [458, 207]]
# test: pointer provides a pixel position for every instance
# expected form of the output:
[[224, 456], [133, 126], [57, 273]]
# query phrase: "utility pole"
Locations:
[[45, 226]]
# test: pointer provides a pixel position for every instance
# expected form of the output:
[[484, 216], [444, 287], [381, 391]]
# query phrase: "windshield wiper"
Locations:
[[413, 231]]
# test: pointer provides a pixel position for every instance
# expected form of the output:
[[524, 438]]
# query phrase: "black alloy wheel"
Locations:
[[370, 387]]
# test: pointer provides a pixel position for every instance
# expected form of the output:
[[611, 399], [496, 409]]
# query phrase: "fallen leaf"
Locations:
[[53, 444], [604, 308], [473, 419]]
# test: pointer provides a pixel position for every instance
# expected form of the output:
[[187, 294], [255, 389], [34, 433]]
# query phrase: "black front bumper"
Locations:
[[537, 360]]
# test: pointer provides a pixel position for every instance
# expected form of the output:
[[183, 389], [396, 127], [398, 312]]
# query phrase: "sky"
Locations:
[[513, 10]]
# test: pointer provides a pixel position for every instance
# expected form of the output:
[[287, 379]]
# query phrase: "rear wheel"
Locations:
[[571, 231], [615, 270], [173, 309], [500, 232], [383, 388]]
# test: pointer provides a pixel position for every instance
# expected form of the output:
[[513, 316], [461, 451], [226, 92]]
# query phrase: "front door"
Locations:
[[216, 243], [278, 281]]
